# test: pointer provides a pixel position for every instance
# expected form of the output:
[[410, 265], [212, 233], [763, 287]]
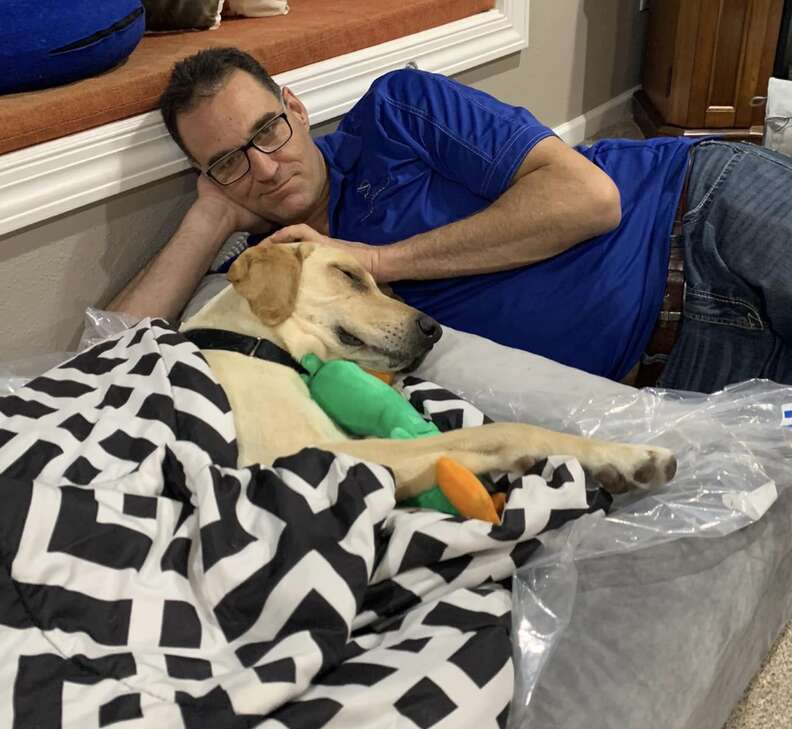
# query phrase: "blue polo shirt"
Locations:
[[419, 151]]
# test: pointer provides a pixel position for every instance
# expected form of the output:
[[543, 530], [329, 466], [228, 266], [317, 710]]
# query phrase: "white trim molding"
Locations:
[[600, 117], [56, 177]]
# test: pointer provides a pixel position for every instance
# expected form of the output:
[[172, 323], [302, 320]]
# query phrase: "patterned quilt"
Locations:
[[149, 582]]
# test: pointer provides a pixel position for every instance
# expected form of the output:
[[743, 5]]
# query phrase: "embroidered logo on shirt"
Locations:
[[786, 415], [370, 193]]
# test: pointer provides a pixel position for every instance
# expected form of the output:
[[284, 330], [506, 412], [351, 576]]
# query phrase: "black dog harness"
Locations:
[[244, 344]]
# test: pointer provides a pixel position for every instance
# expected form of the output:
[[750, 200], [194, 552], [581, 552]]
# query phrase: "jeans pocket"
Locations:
[[711, 166], [714, 308]]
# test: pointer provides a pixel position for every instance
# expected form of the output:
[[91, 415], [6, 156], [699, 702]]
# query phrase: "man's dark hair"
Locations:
[[201, 76]]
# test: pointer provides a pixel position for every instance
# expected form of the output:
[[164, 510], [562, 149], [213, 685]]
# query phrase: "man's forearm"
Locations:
[[165, 285], [538, 217]]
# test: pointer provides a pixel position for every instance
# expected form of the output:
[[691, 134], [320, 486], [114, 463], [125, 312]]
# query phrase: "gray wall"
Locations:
[[582, 53]]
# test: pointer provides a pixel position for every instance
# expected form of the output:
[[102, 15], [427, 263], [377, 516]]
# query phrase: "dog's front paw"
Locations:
[[637, 467]]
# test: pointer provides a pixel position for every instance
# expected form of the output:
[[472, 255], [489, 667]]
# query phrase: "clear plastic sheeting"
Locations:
[[544, 596], [98, 325], [15, 373], [733, 449]]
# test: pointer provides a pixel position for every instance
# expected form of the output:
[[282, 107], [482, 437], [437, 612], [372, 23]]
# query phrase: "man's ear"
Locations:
[[292, 102], [268, 277]]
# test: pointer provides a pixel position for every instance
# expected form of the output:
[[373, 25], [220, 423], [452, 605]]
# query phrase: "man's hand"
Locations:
[[370, 257], [213, 203]]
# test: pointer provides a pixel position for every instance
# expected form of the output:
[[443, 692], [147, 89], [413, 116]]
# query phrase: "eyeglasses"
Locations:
[[267, 139]]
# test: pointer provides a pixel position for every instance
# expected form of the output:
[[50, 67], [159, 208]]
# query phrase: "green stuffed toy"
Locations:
[[364, 405], [360, 403]]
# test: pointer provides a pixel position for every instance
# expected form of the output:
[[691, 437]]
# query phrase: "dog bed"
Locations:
[[604, 641]]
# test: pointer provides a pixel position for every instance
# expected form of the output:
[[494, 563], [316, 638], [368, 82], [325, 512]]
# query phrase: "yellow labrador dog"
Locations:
[[306, 298]]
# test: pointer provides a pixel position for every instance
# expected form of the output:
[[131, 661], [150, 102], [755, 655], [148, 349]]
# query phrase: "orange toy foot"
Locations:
[[463, 489], [386, 377]]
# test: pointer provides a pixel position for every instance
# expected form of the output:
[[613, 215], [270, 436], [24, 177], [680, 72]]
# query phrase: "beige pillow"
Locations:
[[164, 15], [258, 8]]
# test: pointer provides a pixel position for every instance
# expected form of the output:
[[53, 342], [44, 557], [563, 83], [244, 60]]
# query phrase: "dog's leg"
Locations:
[[618, 467]]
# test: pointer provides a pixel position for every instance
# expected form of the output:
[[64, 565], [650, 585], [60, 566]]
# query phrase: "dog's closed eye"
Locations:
[[348, 338], [354, 278]]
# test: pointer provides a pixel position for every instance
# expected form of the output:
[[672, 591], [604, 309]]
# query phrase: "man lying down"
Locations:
[[479, 216]]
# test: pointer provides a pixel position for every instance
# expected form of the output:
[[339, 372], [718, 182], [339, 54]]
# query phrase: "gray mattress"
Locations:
[[670, 636]]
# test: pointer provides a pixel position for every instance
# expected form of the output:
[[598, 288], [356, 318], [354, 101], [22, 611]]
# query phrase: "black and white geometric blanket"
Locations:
[[148, 582]]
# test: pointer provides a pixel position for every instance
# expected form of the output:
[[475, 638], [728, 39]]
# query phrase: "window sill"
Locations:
[[57, 177]]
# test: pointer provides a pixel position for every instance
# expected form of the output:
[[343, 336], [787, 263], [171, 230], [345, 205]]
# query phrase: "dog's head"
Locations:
[[320, 299]]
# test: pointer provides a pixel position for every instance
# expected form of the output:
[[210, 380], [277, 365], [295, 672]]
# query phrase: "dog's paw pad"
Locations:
[[647, 471], [646, 468], [658, 468], [612, 479]]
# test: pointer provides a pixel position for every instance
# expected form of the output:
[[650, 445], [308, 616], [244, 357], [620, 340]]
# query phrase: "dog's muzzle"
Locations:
[[429, 332]]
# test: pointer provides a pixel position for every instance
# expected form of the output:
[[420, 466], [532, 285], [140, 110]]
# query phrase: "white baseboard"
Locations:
[[594, 121], [57, 177]]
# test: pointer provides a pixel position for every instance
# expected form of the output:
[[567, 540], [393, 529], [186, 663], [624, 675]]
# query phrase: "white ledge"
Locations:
[[56, 177]]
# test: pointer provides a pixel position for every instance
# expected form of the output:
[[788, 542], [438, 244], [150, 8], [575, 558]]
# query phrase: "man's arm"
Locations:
[[166, 283], [557, 199]]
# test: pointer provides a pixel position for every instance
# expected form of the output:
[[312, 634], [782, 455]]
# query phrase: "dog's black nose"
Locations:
[[429, 328]]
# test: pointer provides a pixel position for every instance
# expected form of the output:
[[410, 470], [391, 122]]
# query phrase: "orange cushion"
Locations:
[[314, 30]]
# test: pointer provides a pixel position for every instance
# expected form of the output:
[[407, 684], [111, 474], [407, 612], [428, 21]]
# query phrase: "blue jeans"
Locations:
[[737, 239]]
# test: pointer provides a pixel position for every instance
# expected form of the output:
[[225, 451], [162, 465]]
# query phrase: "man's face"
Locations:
[[285, 186]]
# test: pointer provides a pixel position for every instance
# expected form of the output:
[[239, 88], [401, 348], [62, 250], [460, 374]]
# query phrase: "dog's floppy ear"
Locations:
[[268, 277]]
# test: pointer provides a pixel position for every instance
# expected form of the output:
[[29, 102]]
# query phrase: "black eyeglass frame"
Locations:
[[251, 143]]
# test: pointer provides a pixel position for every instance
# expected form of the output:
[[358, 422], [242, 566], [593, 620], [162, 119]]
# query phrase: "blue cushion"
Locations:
[[50, 42]]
